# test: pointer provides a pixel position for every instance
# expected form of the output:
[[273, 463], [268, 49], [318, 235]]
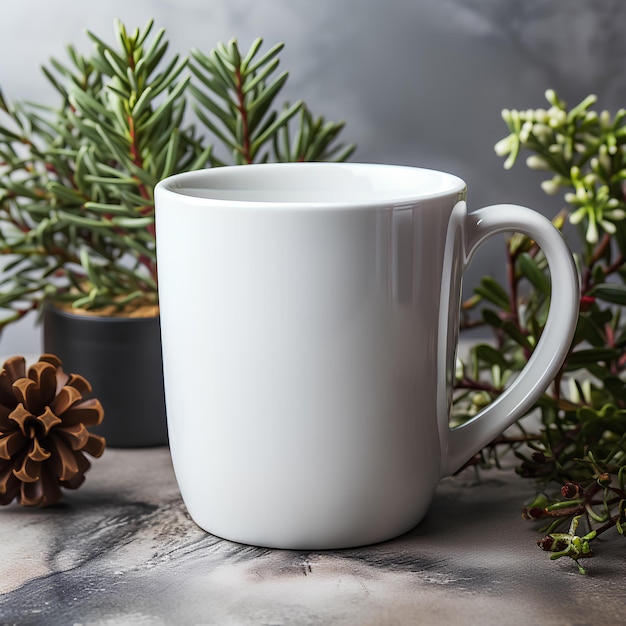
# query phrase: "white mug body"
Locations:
[[303, 308]]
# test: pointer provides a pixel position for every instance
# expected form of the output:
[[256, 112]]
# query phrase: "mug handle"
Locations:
[[458, 445]]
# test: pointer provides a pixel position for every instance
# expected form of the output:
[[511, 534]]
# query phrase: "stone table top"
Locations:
[[123, 551]]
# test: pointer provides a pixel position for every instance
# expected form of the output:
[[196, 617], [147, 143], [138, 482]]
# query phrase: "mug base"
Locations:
[[298, 542]]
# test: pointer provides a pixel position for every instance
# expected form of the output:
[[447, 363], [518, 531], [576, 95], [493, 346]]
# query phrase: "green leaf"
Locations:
[[143, 102], [116, 63], [282, 119], [226, 117], [213, 85], [260, 77], [531, 271], [155, 51], [95, 224], [491, 290], [589, 356], [165, 106], [208, 122], [491, 356], [252, 51], [342, 153], [268, 56], [106, 208], [233, 53], [588, 330], [517, 335], [85, 261], [171, 155], [219, 68], [166, 78], [122, 179], [320, 141], [609, 292], [65, 193], [492, 318], [259, 106], [201, 159], [132, 222], [620, 237]]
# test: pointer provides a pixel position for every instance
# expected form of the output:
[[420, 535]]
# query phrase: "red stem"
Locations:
[[476, 386], [143, 192], [245, 148], [510, 270]]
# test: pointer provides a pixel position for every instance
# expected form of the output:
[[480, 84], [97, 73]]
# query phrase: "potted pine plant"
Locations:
[[76, 196]]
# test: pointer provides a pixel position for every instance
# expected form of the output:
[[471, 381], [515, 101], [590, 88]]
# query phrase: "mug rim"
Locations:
[[446, 184]]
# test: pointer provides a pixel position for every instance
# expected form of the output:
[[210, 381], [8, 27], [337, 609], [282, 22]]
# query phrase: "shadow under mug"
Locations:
[[309, 316]]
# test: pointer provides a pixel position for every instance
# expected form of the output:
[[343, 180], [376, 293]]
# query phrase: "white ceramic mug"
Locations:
[[309, 317]]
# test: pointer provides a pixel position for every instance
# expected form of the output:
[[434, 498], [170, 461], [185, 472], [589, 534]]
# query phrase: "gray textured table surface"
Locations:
[[122, 551]]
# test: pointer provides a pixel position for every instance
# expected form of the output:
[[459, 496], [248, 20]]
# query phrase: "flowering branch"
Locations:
[[578, 459]]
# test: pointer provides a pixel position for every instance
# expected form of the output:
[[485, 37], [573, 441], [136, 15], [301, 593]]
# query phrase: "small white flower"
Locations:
[[604, 158], [577, 216], [550, 187], [503, 146], [592, 232], [590, 180], [459, 369], [556, 117], [609, 227], [535, 162], [542, 132], [508, 164], [551, 96], [527, 128]]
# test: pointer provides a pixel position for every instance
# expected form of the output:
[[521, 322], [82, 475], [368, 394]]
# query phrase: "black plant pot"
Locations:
[[121, 358]]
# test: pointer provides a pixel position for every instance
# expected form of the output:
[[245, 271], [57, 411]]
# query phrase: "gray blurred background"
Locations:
[[419, 82]]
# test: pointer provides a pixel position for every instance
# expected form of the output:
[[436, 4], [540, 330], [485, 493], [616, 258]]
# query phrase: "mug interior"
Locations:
[[314, 183]]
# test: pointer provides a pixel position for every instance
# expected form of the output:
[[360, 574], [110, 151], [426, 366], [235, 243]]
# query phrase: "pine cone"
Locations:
[[43, 434]]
